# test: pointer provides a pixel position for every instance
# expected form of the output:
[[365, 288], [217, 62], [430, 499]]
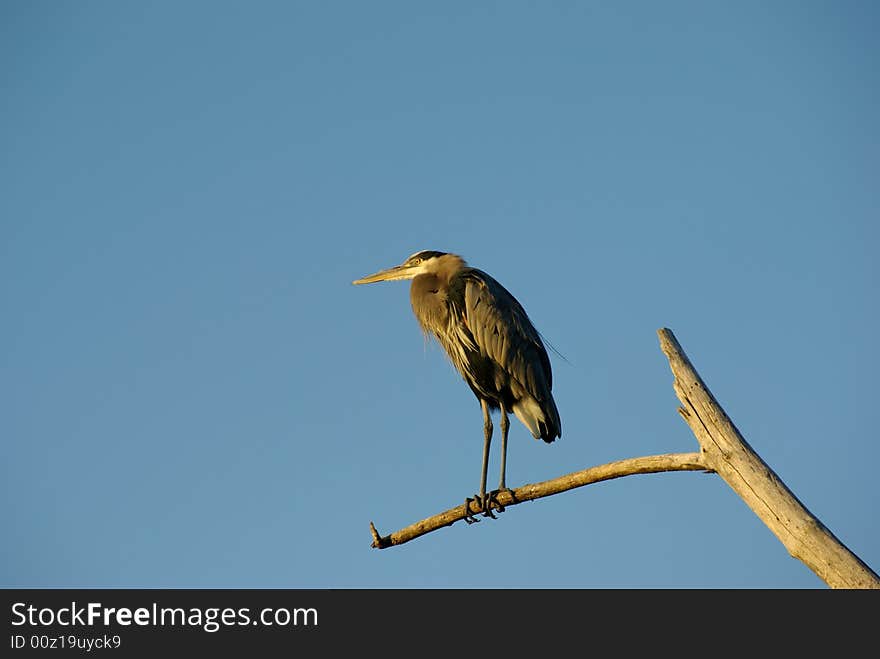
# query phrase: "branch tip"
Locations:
[[378, 541]]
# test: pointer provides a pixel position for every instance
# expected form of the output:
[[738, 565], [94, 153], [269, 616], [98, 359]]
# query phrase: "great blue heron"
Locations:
[[490, 340]]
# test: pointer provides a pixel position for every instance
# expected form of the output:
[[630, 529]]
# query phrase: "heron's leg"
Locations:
[[505, 426], [502, 487], [482, 501], [487, 441]]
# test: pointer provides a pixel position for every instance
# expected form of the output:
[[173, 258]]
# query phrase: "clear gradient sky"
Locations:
[[194, 394]]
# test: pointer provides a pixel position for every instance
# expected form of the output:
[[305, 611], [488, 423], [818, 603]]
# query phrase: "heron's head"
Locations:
[[420, 263]]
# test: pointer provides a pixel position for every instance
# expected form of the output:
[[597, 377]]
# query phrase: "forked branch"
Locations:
[[723, 451]]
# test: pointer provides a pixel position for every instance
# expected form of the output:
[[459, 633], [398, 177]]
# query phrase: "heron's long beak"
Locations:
[[391, 274]]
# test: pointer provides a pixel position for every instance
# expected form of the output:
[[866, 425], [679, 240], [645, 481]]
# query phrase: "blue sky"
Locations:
[[196, 396]]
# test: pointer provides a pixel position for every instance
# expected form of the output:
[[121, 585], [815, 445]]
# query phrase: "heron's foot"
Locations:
[[485, 503], [493, 497], [468, 515]]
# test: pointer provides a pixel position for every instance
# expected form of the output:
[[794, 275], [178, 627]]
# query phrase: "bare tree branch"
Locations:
[[730, 456], [725, 452], [645, 465]]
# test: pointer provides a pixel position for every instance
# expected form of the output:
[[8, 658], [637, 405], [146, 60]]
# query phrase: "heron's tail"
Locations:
[[542, 420]]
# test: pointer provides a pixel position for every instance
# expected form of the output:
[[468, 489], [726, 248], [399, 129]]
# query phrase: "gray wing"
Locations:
[[502, 330]]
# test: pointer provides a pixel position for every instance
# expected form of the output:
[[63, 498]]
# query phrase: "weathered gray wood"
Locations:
[[727, 453]]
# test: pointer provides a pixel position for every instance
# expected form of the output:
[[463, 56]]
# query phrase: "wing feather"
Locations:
[[502, 330]]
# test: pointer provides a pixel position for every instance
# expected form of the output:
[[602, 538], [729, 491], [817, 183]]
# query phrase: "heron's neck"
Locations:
[[448, 266]]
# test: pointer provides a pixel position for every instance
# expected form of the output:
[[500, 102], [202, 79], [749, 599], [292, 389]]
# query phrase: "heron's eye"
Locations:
[[415, 261]]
